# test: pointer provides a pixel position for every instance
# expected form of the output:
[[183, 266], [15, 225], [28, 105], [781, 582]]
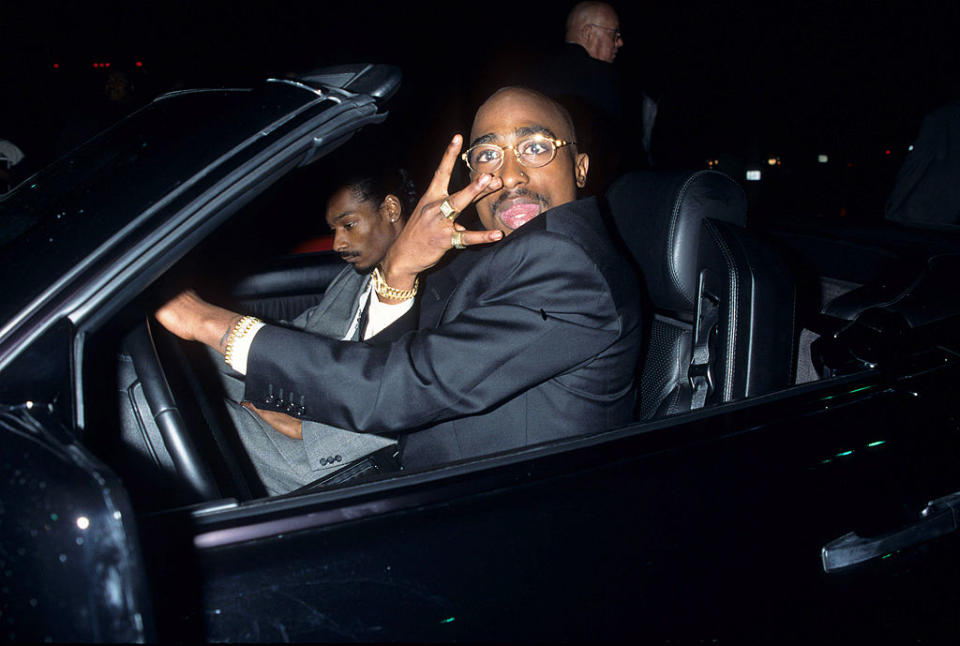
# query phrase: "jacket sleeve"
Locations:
[[530, 311]]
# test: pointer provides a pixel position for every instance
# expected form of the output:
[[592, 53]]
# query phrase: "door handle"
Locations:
[[939, 517]]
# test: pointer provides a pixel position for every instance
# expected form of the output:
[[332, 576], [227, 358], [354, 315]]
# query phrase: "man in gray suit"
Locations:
[[366, 214]]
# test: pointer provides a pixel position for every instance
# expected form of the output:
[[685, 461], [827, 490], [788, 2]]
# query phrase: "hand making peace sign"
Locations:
[[431, 231]]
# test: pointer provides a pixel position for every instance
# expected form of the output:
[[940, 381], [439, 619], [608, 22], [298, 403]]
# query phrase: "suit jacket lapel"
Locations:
[[334, 314]]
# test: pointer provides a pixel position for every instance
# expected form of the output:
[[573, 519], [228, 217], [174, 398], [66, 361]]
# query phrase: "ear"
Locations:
[[390, 208], [580, 169], [584, 33]]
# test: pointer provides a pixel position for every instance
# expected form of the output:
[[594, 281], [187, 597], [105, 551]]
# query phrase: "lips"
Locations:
[[519, 214], [516, 211]]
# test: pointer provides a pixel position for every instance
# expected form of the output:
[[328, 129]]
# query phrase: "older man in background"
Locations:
[[595, 26], [581, 76]]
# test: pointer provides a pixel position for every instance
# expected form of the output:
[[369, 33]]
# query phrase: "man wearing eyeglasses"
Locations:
[[529, 336], [595, 26]]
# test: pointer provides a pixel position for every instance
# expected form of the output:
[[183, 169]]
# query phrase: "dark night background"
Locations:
[[736, 81]]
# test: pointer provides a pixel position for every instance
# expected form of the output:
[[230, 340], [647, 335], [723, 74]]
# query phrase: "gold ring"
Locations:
[[447, 210], [456, 239]]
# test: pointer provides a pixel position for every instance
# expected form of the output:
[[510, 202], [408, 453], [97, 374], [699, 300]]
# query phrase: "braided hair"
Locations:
[[375, 186]]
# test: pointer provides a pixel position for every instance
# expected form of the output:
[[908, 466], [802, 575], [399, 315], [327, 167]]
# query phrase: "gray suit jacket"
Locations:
[[523, 341], [282, 463]]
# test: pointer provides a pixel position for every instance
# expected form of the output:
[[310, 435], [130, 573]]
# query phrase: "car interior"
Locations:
[[733, 313]]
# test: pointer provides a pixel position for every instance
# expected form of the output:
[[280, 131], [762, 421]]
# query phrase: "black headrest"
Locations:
[[658, 215]]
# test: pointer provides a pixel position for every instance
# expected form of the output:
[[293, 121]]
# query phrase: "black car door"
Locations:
[[706, 526]]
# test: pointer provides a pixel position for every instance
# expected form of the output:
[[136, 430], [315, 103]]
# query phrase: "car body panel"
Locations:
[[71, 561]]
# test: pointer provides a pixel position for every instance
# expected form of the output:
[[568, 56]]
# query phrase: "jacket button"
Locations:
[[337, 459]]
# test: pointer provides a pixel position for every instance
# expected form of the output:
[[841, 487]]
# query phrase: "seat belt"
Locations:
[[700, 372], [362, 317]]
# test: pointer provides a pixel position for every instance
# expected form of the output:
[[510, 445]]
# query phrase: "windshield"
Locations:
[[60, 215]]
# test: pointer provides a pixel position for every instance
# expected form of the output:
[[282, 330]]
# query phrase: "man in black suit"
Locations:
[[533, 336]]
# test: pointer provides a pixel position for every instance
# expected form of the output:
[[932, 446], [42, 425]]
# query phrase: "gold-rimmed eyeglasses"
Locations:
[[616, 30], [534, 151]]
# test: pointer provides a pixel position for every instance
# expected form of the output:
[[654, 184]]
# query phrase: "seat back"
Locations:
[[722, 326]]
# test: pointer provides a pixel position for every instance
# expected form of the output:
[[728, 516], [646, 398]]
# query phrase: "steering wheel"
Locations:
[[193, 470]]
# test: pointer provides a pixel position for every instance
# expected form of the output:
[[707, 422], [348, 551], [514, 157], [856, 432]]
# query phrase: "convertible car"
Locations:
[[791, 474]]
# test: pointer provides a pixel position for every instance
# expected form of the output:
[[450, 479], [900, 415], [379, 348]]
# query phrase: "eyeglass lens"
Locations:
[[533, 152]]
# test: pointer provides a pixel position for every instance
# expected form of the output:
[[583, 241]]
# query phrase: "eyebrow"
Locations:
[[337, 218], [525, 131]]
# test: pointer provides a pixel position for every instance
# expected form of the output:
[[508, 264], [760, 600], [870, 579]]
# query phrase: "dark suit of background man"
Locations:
[[528, 339]]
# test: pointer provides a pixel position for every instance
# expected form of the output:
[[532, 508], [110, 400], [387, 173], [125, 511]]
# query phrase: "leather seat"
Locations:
[[723, 302]]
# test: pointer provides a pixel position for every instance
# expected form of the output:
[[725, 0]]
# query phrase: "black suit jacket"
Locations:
[[523, 341]]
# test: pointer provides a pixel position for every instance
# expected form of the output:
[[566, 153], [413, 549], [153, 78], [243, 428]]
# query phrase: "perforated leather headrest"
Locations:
[[658, 215]]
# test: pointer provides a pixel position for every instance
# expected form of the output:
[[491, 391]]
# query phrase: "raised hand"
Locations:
[[429, 232]]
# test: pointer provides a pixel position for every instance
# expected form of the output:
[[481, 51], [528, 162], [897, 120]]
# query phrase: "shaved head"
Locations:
[[517, 93], [596, 27], [586, 12], [509, 116]]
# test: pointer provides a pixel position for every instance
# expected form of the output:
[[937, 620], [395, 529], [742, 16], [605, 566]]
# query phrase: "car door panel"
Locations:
[[704, 529]]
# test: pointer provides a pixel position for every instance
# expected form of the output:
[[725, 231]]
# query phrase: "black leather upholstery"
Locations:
[[291, 275], [723, 324], [659, 215], [288, 287]]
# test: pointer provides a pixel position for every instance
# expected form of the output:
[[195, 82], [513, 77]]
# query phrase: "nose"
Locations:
[[339, 241], [512, 173]]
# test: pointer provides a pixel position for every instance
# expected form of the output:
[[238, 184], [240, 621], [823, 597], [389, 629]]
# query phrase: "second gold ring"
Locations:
[[456, 239]]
